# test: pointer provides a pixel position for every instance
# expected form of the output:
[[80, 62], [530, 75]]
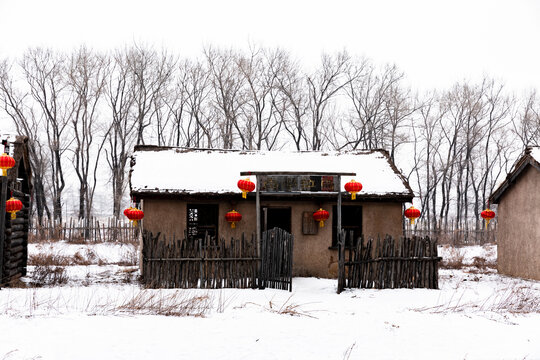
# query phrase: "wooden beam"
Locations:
[[3, 198], [299, 173], [341, 242], [258, 214]]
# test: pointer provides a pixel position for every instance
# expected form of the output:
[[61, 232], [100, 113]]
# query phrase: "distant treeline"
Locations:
[[88, 109]]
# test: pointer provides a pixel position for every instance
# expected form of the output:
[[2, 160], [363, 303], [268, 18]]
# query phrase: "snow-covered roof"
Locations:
[[188, 171]]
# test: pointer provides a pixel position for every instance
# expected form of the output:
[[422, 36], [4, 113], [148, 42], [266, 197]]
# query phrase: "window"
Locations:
[[351, 219], [202, 219]]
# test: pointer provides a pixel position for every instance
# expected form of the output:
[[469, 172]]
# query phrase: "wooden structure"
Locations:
[[14, 232], [390, 263], [518, 228], [189, 191], [212, 263]]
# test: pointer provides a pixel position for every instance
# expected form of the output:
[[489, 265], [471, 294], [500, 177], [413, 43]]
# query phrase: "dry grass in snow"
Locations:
[[102, 310]]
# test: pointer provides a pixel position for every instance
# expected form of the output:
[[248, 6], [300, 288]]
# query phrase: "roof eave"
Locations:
[[511, 178]]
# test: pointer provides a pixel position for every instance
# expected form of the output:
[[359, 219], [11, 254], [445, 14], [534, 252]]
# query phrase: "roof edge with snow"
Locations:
[[402, 190]]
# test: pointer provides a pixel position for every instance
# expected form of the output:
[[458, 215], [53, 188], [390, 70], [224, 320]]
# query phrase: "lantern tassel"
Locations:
[[412, 221], [321, 223], [353, 195], [233, 225], [135, 223], [13, 215], [244, 193], [4, 172], [487, 223]]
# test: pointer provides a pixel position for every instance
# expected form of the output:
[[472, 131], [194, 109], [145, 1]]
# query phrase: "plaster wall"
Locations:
[[312, 254], [518, 233]]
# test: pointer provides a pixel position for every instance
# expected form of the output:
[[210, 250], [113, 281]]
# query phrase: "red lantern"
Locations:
[[487, 215], [320, 216], [412, 214], [246, 186], [6, 162], [353, 187], [126, 212], [134, 215], [12, 206], [233, 217]]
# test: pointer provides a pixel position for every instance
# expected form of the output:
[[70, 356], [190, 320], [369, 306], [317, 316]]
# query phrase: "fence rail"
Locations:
[[390, 263], [93, 230], [458, 237], [212, 264], [201, 263]]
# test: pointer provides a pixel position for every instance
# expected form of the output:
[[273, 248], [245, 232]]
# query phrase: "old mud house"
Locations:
[[518, 228], [186, 192]]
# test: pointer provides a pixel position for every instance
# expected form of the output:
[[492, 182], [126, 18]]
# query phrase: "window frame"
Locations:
[[206, 227]]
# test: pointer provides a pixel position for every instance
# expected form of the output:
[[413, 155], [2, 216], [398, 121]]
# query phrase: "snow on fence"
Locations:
[[390, 263], [212, 264], [82, 230]]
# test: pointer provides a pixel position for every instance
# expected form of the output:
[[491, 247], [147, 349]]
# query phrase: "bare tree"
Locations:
[[370, 93], [399, 105], [527, 123], [194, 81], [426, 141], [151, 72], [16, 106], [175, 102], [262, 125], [229, 95], [123, 128], [291, 102], [44, 73], [323, 85], [86, 77]]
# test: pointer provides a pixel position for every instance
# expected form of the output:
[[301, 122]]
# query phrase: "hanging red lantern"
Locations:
[[353, 187], [412, 214], [321, 216], [487, 215], [246, 186], [6, 162], [126, 212], [233, 217], [12, 206], [134, 215]]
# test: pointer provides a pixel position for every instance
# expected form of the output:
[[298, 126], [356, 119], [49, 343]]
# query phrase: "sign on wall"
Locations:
[[291, 183]]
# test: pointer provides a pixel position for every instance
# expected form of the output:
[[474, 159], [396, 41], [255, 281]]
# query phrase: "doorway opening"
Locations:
[[276, 217]]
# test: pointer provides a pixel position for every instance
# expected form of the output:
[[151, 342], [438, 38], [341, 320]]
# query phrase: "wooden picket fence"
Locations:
[[201, 263], [277, 259], [80, 230], [390, 263], [212, 264], [453, 233]]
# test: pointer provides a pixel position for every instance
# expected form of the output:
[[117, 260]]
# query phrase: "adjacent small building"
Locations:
[[14, 232], [518, 224], [187, 192]]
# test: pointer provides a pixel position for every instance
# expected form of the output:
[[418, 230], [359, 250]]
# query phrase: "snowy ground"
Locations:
[[102, 313]]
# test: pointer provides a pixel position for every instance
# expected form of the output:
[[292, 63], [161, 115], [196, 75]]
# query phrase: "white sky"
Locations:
[[436, 43]]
